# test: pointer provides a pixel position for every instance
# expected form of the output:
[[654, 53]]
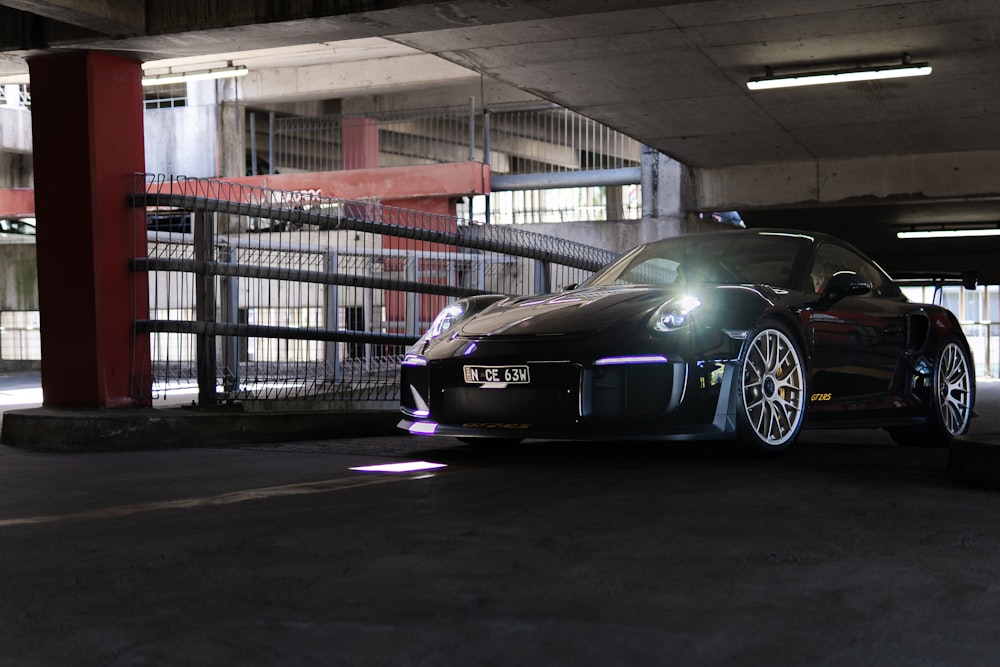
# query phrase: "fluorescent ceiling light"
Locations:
[[947, 233], [847, 75], [205, 75]]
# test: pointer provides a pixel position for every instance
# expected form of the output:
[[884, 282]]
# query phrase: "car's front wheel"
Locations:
[[772, 391], [952, 397]]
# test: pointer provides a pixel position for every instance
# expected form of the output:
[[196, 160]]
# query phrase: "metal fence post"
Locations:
[[412, 306], [368, 311], [253, 144], [542, 276], [331, 316], [230, 307], [204, 251], [989, 361], [472, 129], [270, 143], [486, 136]]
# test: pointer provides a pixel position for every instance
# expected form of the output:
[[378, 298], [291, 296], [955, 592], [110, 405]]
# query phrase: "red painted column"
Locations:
[[86, 113], [359, 143]]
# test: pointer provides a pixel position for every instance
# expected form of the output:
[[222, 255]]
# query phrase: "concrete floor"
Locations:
[[848, 550]]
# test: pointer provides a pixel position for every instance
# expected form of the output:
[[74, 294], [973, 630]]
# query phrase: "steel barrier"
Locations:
[[322, 310]]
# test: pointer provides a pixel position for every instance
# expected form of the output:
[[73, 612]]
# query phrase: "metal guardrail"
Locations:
[[324, 309], [514, 139]]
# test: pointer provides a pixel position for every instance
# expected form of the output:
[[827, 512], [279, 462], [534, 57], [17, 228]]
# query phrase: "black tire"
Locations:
[[771, 392], [952, 397]]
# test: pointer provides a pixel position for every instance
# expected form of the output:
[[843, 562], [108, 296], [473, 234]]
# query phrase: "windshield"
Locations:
[[736, 258]]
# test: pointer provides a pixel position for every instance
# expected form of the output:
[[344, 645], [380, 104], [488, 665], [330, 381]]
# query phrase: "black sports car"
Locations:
[[750, 334]]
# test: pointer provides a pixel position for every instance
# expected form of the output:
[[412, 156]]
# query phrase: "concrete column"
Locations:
[[16, 170], [359, 143], [88, 143], [231, 146], [615, 204], [232, 133], [667, 195]]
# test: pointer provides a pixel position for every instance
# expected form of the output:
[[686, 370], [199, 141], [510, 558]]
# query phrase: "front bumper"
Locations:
[[663, 401]]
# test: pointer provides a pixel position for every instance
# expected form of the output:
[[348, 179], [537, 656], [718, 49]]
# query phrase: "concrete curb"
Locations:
[[77, 430]]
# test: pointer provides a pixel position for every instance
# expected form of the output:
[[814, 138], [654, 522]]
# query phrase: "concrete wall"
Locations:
[[15, 129], [933, 177], [17, 170], [181, 141], [622, 235], [18, 273]]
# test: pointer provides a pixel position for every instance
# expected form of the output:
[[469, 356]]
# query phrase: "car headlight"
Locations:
[[446, 319], [675, 314]]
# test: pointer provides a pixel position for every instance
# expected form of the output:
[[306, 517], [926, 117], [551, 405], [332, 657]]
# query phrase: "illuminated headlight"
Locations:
[[446, 319], [675, 314]]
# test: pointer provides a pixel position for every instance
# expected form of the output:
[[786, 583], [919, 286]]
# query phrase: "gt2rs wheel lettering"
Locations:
[[953, 385], [773, 387]]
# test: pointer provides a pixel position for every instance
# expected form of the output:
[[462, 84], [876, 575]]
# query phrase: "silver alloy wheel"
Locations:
[[954, 390], [773, 387]]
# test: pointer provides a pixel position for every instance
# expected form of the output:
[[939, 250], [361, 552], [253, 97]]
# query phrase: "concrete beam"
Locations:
[[888, 179], [366, 77], [109, 17]]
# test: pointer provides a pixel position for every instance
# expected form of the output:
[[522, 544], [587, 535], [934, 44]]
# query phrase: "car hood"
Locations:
[[575, 312]]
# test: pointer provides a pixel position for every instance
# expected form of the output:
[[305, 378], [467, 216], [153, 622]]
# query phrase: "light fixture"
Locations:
[[860, 73], [947, 233], [204, 75]]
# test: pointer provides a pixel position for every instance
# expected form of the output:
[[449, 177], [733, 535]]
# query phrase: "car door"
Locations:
[[856, 342]]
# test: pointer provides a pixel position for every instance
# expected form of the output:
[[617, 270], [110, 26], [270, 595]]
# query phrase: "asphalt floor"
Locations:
[[847, 550]]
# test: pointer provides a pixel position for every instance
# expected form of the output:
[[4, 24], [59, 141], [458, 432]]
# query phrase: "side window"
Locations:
[[831, 259]]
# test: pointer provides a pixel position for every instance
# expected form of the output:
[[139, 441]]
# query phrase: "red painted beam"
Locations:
[[455, 179], [17, 202], [390, 185]]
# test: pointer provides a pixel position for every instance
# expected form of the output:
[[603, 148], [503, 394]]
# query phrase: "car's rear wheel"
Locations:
[[953, 394], [772, 391]]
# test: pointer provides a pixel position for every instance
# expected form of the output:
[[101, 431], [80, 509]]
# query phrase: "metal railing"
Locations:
[[547, 138], [513, 139], [20, 336], [547, 163], [323, 310], [985, 344], [17, 95]]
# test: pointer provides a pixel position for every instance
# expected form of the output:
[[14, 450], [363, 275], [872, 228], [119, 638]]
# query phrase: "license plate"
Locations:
[[497, 374]]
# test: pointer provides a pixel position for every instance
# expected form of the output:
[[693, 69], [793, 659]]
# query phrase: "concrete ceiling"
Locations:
[[671, 74]]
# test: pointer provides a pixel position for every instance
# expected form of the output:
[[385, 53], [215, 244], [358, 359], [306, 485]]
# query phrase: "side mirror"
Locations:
[[847, 283], [567, 288], [841, 284]]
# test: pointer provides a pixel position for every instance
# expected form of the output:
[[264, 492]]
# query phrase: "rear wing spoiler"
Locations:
[[968, 279]]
